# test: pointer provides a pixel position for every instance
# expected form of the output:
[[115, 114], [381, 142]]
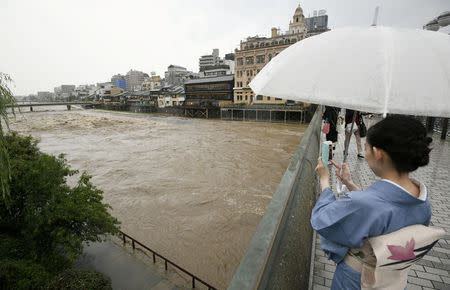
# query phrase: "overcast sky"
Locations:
[[48, 43]]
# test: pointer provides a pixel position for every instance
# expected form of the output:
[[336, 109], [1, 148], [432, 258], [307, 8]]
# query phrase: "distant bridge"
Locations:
[[31, 105], [49, 104]]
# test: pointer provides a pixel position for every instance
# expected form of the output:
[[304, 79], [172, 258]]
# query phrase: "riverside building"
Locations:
[[255, 52], [119, 81], [212, 65], [176, 75], [152, 82], [134, 80], [210, 91]]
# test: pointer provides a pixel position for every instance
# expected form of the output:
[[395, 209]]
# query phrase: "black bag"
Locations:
[[362, 129]]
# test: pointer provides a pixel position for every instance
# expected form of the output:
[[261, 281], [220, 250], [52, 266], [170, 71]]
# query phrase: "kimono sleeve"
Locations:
[[340, 221]]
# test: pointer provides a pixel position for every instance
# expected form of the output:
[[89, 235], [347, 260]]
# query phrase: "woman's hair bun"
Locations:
[[404, 139]]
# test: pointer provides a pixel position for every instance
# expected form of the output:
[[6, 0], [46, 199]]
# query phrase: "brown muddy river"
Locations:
[[194, 190]]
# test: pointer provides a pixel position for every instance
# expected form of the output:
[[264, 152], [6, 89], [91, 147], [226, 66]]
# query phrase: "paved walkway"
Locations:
[[123, 269], [431, 272]]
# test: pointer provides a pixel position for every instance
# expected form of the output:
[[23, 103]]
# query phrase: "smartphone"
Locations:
[[325, 152]]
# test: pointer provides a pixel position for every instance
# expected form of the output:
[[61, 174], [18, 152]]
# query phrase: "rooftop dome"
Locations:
[[299, 10]]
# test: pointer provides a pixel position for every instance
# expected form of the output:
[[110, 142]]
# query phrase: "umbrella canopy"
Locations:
[[374, 69]]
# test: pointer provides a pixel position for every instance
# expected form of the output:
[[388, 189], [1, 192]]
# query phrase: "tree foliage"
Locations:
[[22, 274], [6, 98], [45, 221], [79, 279]]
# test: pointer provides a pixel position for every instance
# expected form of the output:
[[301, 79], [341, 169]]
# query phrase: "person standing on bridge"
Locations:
[[395, 147], [331, 116]]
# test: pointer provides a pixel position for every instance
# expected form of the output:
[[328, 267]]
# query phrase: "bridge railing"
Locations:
[[279, 255], [37, 104], [166, 261]]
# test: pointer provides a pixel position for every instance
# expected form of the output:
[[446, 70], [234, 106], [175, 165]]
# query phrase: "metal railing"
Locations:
[[166, 261]]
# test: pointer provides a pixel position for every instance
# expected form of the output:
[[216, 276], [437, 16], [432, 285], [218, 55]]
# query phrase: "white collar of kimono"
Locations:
[[423, 190]]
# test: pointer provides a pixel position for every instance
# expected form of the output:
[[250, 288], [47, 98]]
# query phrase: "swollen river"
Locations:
[[194, 190]]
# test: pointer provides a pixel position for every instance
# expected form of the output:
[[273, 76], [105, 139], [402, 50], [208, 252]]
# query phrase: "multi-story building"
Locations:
[[177, 75], [316, 24], [64, 91], [170, 96], [229, 60], [214, 66], [152, 82], [45, 96], [83, 91], [255, 52], [209, 91], [110, 94], [134, 80], [119, 81], [209, 59]]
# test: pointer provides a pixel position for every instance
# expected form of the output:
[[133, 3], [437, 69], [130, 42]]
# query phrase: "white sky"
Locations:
[[48, 43]]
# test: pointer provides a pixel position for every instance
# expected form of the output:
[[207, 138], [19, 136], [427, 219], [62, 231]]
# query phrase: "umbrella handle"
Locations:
[[340, 188]]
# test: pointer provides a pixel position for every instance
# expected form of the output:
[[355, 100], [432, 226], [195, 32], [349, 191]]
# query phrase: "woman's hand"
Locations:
[[323, 173], [345, 176]]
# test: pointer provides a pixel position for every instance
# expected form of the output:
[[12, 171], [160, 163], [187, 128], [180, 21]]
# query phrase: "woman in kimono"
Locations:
[[395, 146]]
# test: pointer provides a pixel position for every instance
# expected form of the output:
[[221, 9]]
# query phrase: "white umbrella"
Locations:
[[374, 69]]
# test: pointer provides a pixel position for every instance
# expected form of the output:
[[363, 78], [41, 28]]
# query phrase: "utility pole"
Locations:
[[375, 16]]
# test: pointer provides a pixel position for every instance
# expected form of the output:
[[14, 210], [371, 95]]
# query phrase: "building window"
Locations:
[[246, 97], [268, 98], [251, 73], [260, 59], [259, 98], [249, 60], [277, 99], [240, 61], [270, 57], [248, 73]]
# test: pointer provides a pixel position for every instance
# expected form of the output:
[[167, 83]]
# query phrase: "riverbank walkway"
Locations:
[[431, 272], [122, 268]]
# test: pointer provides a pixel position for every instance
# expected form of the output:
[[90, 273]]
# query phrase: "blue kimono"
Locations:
[[382, 208]]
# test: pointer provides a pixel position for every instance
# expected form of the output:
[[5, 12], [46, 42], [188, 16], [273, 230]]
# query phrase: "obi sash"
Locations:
[[384, 261]]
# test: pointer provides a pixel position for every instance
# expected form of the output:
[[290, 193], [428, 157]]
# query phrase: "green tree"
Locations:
[[6, 98], [46, 221]]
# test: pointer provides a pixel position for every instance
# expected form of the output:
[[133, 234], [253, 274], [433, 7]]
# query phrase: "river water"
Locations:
[[194, 190]]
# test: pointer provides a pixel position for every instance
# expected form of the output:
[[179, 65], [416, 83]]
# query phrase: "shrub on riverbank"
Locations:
[[79, 279], [44, 221]]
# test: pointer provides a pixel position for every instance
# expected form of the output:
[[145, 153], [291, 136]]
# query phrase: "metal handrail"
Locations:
[[166, 261]]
